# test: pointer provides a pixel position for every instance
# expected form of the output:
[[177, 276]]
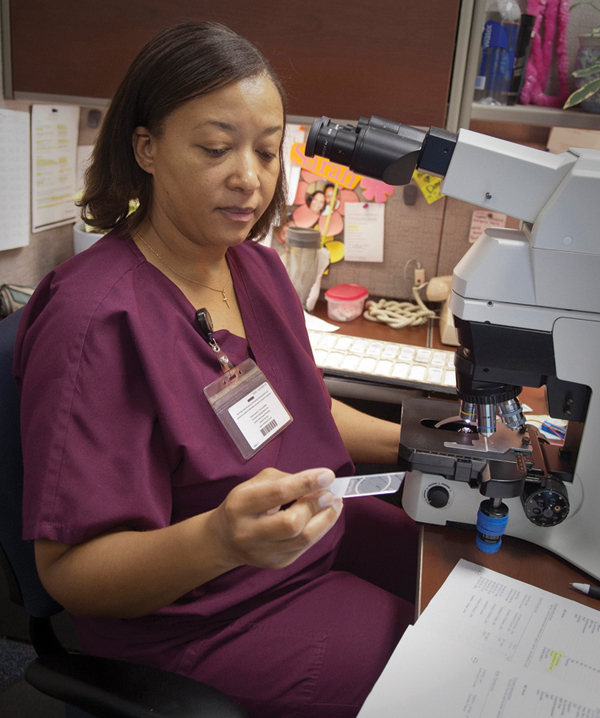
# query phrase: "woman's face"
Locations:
[[215, 164], [317, 202]]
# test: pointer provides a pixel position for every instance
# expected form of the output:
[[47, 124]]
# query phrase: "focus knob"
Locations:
[[547, 504], [438, 496]]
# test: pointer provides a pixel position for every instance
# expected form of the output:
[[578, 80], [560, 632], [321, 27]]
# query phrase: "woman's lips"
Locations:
[[238, 214]]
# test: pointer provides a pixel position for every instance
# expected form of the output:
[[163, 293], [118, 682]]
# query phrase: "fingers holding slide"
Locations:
[[271, 489], [257, 531]]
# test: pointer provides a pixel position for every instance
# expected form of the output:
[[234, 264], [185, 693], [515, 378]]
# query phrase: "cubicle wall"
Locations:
[[343, 59]]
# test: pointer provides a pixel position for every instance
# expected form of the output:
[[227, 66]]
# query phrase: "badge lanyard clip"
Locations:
[[206, 327]]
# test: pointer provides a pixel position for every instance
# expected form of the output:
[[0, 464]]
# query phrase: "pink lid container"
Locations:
[[345, 302]]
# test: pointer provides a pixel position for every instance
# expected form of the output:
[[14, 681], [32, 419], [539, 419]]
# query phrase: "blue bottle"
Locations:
[[498, 45]]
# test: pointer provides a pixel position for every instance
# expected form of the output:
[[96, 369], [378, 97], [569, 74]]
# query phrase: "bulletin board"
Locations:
[[341, 58]]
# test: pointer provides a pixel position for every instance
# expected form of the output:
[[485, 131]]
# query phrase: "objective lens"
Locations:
[[468, 412], [511, 413], [486, 419]]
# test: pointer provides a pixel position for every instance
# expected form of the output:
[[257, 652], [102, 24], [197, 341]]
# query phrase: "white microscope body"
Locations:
[[544, 278], [527, 308]]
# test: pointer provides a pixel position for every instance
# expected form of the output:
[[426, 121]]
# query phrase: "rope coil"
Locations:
[[398, 315]]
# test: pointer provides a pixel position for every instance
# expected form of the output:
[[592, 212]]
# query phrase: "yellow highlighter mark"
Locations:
[[555, 657]]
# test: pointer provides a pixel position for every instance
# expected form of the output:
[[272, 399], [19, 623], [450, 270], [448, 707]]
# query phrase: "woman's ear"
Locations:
[[143, 148]]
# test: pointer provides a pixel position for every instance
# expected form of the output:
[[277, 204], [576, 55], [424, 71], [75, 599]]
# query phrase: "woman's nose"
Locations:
[[245, 174]]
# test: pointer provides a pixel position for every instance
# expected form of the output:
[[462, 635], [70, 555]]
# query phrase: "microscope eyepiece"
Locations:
[[377, 148], [332, 141]]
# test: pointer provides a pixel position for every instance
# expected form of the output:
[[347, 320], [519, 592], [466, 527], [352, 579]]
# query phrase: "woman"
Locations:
[[316, 201], [168, 545]]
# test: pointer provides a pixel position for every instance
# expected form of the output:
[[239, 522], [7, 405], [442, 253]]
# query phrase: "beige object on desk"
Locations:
[[448, 333], [438, 290]]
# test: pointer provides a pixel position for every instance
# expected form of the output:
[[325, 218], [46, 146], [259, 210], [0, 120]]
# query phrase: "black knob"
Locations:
[[546, 504], [438, 496]]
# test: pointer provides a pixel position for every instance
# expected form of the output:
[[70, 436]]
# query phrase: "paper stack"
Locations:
[[488, 645]]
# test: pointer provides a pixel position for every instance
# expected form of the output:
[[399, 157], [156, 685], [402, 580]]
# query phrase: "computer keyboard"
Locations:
[[381, 362]]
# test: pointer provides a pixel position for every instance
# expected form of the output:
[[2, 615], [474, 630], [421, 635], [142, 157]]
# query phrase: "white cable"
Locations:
[[398, 315]]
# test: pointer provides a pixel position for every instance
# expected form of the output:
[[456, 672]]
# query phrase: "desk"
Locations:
[[441, 546]]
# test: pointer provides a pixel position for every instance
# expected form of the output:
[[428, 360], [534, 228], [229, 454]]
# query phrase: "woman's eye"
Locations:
[[267, 155], [214, 153]]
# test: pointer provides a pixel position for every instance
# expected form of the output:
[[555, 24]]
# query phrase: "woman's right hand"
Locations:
[[273, 518]]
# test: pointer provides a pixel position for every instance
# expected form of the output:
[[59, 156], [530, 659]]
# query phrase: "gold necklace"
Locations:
[[187, 279]]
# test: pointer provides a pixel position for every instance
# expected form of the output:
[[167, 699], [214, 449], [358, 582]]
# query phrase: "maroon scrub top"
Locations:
[[117, 431]]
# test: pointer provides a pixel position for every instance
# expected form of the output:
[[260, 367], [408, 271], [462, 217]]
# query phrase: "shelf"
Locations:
[[535, 115]]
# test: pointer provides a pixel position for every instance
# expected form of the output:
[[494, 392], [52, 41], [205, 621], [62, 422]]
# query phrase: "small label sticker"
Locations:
[[259, 415]]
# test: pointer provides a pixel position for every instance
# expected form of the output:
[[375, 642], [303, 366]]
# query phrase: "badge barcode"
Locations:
[[268, 428]]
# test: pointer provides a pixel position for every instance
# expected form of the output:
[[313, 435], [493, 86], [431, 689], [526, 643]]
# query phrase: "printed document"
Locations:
[[54, 132], [489, 645]]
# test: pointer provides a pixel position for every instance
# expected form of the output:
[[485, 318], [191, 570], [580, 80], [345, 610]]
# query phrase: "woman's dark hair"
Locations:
[[182, 62]]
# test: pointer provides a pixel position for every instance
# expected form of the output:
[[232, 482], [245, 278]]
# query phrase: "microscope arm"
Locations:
[[504, 177]]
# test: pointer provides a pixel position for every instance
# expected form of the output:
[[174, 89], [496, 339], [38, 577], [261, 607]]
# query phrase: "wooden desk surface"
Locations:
[[442, 546]]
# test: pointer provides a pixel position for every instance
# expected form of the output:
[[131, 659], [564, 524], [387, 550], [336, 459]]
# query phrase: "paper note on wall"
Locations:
[[483, 219], [363, 231], [429, 185], [54, 132], [293, 135], [14, 179]]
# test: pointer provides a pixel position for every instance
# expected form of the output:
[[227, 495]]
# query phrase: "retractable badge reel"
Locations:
[[243, 399]]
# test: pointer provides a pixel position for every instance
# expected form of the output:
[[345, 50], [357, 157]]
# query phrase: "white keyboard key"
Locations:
[[327, 342], [374, 349], [351, 362], [450, 379], [438, 359], [400, 371], [390, 351], [359, 346], [314, 338], [320, 357], [344, 343], [417, 373], [434, 375], [367, 365], [334, 360], [383, 367]]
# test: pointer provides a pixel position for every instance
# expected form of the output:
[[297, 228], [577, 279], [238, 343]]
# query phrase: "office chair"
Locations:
[[88, 685]]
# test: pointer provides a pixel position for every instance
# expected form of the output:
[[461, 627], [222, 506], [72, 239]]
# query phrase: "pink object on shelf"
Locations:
[[553, 15]]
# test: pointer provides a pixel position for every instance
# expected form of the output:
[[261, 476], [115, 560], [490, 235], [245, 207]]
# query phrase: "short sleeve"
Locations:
[[93, 452]]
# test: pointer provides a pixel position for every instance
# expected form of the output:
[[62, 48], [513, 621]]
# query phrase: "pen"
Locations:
[[592, 591]]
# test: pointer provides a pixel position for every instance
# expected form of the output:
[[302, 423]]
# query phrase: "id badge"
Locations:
[[248, 407]]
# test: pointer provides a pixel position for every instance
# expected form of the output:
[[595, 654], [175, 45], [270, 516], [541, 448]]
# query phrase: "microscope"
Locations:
[[526, 305]]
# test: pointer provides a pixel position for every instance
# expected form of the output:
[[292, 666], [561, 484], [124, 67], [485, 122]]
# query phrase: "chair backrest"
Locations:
[[24, 584]]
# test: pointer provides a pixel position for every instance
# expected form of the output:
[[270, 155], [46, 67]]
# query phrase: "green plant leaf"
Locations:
[[589, 4], [589, 70], [582, 93]]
